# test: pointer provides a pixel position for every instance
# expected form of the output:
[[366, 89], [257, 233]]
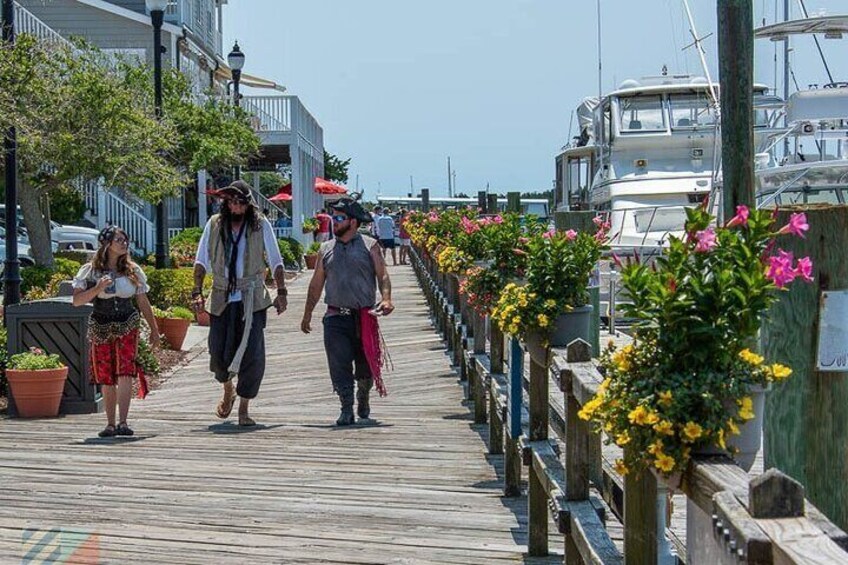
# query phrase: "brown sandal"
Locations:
[[226, 404]]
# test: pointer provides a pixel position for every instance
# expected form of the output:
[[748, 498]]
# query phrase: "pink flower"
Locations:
[[672, 284], [804, 269], [498, 219], [571, 235], [433, 217], [780, 270], [519, 251], [797, 225], [706, 240], [741, 217], [523, 240], [468, 226], [549, 234], [617, 260]]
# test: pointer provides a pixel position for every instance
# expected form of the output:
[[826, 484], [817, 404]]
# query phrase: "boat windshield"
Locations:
[[641, 114], [691, 111], [660, 219]]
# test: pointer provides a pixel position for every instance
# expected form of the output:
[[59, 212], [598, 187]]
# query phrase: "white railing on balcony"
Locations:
[[26, 22], [113, 210], [272, 113]]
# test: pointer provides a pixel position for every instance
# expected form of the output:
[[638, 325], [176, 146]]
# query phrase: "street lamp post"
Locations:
[[157, 16], [236, 62], [12, 269]]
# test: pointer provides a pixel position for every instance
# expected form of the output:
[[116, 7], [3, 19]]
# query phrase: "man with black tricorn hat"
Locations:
[[350, 268], [236, 245]]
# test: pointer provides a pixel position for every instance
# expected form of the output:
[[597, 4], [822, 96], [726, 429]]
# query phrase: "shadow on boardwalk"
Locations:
[[415, 486]]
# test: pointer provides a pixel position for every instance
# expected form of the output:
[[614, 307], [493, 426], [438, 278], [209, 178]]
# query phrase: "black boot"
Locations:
[[346, 416], [363, 407]]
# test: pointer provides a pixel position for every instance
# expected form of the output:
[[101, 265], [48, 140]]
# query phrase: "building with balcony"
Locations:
[[192, 36]]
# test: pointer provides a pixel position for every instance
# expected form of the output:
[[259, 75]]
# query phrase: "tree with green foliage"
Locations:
[[335, 168], [78, 122]]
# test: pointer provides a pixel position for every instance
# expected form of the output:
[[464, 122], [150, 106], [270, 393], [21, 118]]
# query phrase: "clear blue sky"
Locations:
[[399, 85]]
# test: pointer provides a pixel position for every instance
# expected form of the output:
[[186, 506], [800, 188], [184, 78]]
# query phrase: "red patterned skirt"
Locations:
[[117, 358]]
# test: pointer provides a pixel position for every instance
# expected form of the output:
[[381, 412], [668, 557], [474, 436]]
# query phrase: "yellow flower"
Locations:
[[666, 398], [751, 358], [656, 447], [607, 427], [692, 431], [522, 301], [652, 418], [732, 428], [604, 385], [746, 408], [543, 320], [779, 372], [622, 439], [621, 468], [664, 427], [621, 358], [721, 442], [664, 463], [550, 303], [590, 407], [638, 416]]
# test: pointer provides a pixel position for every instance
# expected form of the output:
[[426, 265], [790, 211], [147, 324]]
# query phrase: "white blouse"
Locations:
[[122, 287]]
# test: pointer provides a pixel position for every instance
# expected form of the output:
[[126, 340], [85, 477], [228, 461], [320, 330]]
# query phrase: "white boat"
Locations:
[[807, 161], [646, 152]]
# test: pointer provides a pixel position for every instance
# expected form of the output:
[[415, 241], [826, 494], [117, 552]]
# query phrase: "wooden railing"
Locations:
[[731, 519]]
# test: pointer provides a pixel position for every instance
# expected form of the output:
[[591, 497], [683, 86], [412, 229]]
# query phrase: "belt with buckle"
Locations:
[[340, 311]]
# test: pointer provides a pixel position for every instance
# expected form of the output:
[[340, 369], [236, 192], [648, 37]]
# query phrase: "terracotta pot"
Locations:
[[37, 394], [174, 330], [202, 318], [311, 259]]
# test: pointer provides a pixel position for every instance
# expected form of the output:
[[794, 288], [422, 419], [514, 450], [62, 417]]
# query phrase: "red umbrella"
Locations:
[[323, 186], [281, 197]]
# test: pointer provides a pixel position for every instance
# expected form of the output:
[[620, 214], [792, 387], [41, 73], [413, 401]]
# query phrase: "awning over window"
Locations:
[[225, 73]]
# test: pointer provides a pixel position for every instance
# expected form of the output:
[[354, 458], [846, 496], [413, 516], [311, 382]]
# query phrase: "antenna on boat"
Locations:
[[600, 58], [818, 44], [698, 44]]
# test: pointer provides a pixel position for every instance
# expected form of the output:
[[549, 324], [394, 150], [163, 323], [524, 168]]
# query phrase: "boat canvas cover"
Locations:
[[585, 112], [833, 25], [818, 105]]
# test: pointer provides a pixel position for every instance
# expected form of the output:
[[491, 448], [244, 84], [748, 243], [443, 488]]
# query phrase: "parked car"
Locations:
[[77, 238], [24, 255]]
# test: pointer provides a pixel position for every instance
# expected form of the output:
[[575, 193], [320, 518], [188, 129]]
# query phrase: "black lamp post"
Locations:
[[157, 16], [236, 62], [12, 268]]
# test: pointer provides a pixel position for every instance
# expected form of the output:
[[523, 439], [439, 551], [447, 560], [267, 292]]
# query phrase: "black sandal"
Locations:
[[108, 431], [123, 430]]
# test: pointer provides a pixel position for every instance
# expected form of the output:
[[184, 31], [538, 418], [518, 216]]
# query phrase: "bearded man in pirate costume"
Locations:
[[235, 247], [351, 266]]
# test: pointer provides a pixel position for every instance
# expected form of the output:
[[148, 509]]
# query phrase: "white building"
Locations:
[[193, 39]]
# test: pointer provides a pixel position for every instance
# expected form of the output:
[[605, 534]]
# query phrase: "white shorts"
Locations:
[[405, 242]]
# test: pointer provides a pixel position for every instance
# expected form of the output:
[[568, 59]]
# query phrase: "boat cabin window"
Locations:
[[579, 170], [639, 114], [659, 219], [690, 111]]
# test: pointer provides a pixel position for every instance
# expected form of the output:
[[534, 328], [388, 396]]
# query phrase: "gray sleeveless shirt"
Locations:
[[351, 281]]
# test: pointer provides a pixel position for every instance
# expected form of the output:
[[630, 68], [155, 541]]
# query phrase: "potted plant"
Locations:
[[311, 256], [37, 380], [552, 308], [310, 225], [691, 381], [173, 324]]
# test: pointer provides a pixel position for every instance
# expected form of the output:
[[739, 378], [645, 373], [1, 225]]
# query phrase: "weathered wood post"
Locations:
[[736, 76], [496, 367], [425, 199], [640, 518], [806, 417], [513, 202], [480, 396], [537, 498], [482, 202], [492, 204]]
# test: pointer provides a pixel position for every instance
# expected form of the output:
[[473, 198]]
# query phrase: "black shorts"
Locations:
[[387, 243]]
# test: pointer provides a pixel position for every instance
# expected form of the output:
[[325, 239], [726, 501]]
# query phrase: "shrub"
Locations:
[[4, 357], [35, 360], [313, 248], [296, 247], [289, 258], [181, 313], [80, 257], [172, 287], [147, 359], [35, 281], [188, 235], [183, 253]]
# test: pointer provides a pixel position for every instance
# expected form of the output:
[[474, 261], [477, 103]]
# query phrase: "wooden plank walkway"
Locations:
[[415, 487]]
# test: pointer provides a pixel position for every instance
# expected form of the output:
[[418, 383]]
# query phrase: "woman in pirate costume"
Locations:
[[117, 288]]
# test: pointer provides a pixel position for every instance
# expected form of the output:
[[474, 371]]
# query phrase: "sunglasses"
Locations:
[[340, 219], [121, 241]]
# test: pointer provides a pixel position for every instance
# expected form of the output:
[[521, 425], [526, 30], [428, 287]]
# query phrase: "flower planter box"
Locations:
[[311, 259], [202, 318], [568, 326], [174, 331], [37, 394]]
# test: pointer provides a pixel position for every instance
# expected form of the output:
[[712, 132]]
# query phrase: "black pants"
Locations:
[[343, 344], [225, 333]]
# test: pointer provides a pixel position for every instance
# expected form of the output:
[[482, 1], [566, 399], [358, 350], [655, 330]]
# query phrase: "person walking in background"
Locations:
[[351, 268], [375, 213], [325, 224], [386, 233], [403, 236], [117, 288], [234, 247]]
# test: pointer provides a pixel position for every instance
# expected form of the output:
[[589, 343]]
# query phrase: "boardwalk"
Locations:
[[417, 487]]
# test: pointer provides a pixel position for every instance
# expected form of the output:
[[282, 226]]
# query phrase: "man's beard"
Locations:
[[341, 232], [236, 217]]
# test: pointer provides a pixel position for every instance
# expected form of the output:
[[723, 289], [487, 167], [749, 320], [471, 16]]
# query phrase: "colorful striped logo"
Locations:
[[60, 545]]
